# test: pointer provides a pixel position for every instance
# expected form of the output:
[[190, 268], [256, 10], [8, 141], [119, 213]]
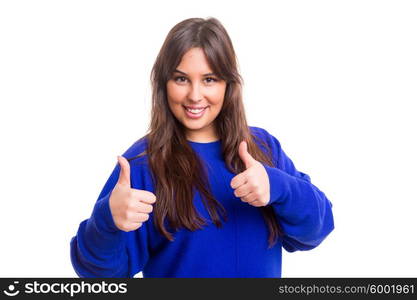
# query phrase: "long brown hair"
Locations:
[[176, 169]]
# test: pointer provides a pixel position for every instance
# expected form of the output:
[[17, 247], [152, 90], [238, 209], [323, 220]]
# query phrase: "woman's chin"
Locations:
[[193, 126]]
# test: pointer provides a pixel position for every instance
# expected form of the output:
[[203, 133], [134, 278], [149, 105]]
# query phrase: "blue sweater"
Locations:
[[238, 249]]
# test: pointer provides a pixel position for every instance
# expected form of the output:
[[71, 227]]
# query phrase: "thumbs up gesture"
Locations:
[[252, 185], [129, 207]]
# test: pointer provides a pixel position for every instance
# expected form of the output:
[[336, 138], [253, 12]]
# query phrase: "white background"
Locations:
[[334, 81]]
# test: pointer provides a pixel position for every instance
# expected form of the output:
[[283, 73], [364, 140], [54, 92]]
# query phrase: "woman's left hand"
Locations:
[[252, 185]]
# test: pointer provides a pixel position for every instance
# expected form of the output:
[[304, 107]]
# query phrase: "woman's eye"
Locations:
[[211, 79], [180, 79]]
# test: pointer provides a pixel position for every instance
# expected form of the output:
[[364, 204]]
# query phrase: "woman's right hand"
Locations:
[[129, 207]]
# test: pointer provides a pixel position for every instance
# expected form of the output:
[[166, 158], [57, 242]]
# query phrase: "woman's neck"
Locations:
[[202, 136]]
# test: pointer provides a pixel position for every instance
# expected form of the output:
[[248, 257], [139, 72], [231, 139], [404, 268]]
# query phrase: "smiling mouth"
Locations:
[[195, 111]]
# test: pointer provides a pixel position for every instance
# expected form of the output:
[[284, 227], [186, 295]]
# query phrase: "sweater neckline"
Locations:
[[199, 143], [214, 147]]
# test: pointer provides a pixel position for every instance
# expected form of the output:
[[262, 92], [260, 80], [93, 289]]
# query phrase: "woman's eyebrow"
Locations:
[[208, 74]]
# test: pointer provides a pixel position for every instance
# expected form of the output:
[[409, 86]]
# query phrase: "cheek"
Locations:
[[174, 100], [175, 94], [217, 98], [217, 105]]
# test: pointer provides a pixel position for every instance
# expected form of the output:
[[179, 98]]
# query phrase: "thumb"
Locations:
[[245, 156], [124, 175]]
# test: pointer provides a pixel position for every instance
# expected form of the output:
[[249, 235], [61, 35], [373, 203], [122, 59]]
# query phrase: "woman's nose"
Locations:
[[195, 93]]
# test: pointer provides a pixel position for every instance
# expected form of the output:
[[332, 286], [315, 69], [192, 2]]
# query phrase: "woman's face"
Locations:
[[195, 96]]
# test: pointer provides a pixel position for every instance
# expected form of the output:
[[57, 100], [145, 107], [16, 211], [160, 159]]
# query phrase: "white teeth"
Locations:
[[195, 111]]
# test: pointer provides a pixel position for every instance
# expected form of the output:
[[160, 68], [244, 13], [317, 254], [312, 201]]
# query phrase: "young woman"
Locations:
[[202, 194]]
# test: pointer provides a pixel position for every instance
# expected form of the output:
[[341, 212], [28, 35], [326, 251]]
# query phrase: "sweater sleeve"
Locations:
[[100, 249], [302, 209]]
